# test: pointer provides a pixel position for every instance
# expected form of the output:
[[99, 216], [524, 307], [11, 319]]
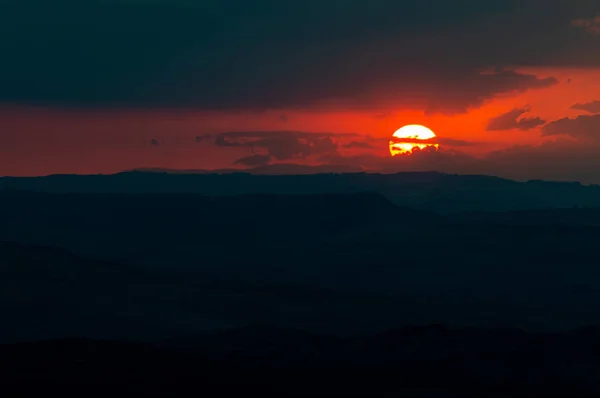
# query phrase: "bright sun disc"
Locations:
[[411, 137]]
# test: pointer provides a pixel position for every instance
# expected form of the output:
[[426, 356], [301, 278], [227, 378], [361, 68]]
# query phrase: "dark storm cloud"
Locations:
[[282, 145], [591, 107], [585, 127], [236, 54], [254, 160], [475, 89], [510, 120]]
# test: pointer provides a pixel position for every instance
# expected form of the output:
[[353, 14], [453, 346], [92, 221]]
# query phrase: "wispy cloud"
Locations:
[[510, 121]]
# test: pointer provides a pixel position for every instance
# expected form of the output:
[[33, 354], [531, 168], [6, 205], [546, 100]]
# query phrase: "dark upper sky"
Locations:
[[435, 57], [264, 54]]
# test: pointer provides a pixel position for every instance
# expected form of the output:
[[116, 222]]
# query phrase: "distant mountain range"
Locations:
[[442, 193], [144, 254]]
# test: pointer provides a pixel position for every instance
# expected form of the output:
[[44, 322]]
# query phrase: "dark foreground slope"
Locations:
[[49, 293], [160, 263], [189, 230], [413, 362]]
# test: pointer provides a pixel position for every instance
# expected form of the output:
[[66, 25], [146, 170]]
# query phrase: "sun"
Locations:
[[411, 137]]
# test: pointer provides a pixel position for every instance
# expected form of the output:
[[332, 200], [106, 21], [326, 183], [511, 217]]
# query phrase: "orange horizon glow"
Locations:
[[38, 140]]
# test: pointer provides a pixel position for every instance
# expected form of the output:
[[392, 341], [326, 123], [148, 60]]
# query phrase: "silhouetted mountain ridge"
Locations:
[[575, 216], [89, 222], [446, 193]]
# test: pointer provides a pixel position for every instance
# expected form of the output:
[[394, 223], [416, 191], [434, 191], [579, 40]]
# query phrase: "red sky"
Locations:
[[184, 85], [39, 140]]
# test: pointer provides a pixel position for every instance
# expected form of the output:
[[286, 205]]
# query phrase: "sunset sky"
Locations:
[[511, 88]]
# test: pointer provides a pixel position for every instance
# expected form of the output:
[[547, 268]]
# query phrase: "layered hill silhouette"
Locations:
[[323, 262], [433, 191], [125, 226], [158, 282]]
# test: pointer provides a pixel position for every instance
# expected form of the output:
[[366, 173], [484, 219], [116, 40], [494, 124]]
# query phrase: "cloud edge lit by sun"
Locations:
[[412, 137]]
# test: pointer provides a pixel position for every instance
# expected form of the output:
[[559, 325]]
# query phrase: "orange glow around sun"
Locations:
[[413, 136]]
